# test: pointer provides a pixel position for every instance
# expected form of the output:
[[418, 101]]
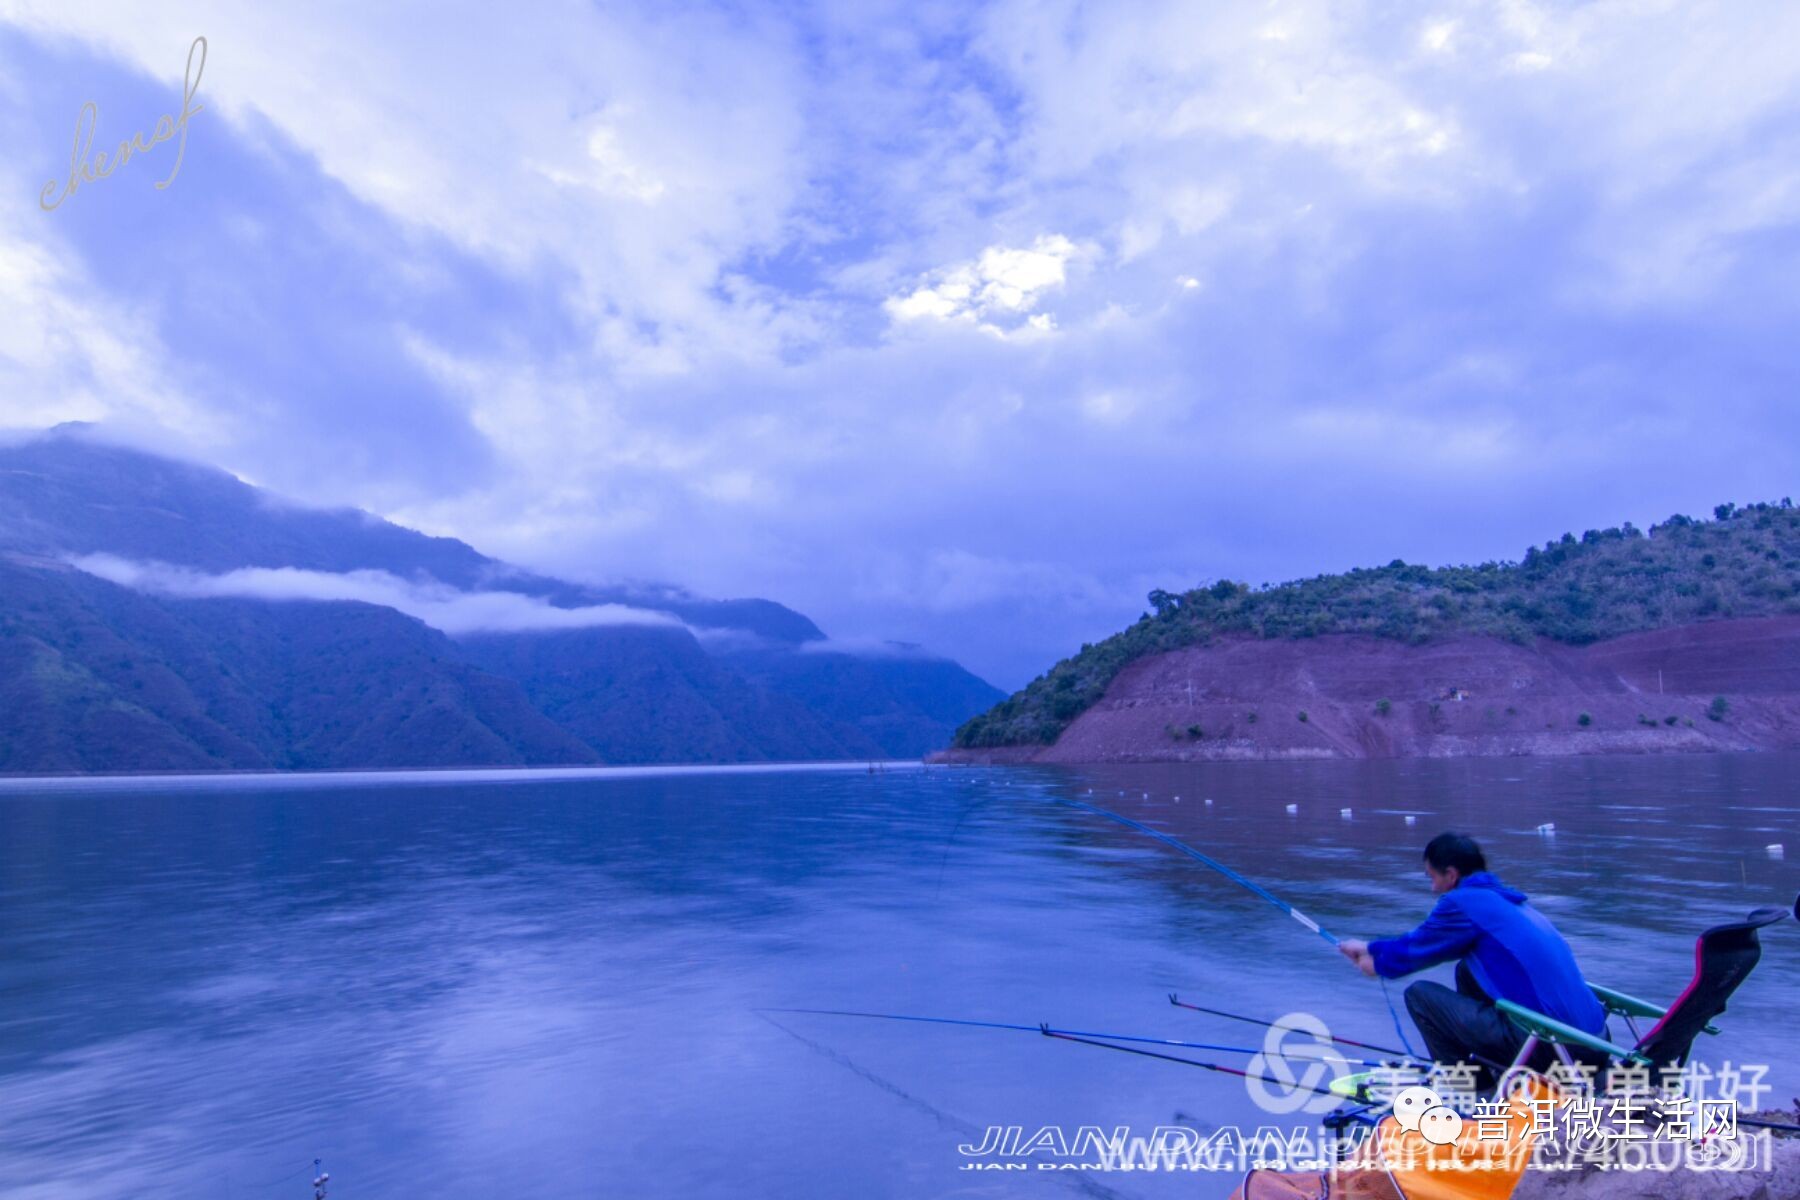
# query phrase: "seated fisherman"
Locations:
[[1504, 949]]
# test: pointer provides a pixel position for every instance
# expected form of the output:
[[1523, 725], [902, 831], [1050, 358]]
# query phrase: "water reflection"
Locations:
[[519, 985]]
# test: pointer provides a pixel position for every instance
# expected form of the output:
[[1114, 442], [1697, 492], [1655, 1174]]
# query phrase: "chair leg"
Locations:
[[1504, 1083]]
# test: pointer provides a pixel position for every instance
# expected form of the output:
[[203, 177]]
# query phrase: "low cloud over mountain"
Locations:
[[439, 605], [160, 615]]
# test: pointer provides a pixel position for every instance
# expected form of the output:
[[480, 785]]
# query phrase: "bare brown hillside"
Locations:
[[1244, 697]]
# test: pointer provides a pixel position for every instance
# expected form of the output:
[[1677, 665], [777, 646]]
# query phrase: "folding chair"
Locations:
[[1724, 956]]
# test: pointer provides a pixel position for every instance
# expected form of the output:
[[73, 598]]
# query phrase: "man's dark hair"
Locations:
[[1457, 850]]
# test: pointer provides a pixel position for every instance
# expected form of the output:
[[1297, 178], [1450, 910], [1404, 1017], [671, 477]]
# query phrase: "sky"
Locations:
[[960, 324]]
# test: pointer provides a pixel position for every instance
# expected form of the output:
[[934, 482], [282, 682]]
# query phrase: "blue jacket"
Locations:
[[1511, 949]]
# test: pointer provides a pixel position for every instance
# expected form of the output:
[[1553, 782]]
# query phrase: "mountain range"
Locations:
[[162, 615]]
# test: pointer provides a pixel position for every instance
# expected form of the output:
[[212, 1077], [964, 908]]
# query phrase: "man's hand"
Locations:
[[1358, 952]]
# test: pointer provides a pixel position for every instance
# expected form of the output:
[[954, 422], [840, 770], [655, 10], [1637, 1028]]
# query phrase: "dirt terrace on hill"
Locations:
[[1242, 698]]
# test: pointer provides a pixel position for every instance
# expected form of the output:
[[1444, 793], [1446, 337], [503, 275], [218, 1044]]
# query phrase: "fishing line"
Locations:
[[944, 1120], [1249, 885], [1190, 1062], [231, 1185], [1069, 1033], [1175, 999], [1395, 1013]]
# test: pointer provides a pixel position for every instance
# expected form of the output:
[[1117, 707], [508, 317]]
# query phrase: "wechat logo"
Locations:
[[1419, 1110]]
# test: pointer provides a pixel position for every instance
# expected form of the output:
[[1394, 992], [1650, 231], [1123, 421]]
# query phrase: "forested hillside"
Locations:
[[1745, 562]]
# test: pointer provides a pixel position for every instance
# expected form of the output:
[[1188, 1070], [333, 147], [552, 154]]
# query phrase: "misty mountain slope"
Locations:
[[653, 695], [91, 681], [69, 492], [353, 684], [96, 677], [900, 702], [59, 713], [202, 665]]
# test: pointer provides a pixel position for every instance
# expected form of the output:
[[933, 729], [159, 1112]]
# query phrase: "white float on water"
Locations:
[[1209, 802], [1344, 813], [1411, 820], [1292, 809], [1547, 827], [1777, 850]]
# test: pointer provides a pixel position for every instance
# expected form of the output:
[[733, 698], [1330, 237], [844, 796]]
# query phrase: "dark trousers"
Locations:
[[1464, 1026]]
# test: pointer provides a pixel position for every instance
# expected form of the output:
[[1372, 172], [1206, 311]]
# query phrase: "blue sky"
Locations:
[[959, 324]]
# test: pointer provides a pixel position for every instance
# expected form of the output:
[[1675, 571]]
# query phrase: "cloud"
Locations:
[[1001, 285], [867, 648], [442, 607], [955, 580], [1437, 36], [712, 294], [640, 154], [69, 351]]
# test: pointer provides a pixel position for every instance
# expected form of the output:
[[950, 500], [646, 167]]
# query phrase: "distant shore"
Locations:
[[329, 778]]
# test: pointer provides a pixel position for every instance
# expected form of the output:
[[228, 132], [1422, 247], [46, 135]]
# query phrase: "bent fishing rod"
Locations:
[[1249, 885], [1254, 888], [1168, 840]]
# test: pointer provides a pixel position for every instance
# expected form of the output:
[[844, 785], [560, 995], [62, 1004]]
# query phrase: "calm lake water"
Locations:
[[480, 985]]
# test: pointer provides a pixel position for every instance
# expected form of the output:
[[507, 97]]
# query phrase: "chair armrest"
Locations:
[[1622, 1005], [1626, 1006], [1551, 1030]]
